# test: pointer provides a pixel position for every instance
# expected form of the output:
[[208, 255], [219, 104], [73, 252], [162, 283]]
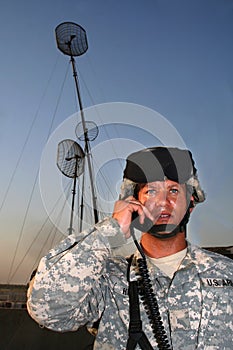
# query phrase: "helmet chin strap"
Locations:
[[165, 231]]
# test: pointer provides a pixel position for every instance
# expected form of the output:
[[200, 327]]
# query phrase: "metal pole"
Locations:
[[73, 196], [95, 212]]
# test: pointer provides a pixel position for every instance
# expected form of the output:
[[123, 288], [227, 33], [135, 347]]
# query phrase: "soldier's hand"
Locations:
[[123, 210]]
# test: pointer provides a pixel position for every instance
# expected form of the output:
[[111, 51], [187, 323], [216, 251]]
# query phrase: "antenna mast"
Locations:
[[72, 41]]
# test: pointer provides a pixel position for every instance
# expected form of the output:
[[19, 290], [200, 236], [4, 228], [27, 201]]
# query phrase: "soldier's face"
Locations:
[[166, 200]]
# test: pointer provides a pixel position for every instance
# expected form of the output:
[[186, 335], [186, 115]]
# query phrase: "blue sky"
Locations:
[[172, 56]]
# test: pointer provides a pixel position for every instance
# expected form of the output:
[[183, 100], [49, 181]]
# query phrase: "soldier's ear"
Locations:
[[191, 204]]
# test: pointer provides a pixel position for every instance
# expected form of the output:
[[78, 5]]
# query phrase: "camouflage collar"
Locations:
[[196, 258]]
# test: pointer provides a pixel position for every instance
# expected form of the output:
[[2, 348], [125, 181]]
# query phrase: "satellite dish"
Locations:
[[70, 158], [71, 39], [91, 131], [70, 161]]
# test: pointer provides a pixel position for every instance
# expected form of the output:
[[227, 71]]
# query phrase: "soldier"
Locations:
[[170, 294]]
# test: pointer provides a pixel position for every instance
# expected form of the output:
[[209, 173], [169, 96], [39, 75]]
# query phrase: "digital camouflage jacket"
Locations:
[[81, 281]]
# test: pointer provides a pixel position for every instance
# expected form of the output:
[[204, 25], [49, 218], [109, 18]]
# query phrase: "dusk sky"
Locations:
[[148, 62]]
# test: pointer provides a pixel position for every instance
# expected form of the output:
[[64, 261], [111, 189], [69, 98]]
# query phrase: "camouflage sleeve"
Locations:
[[68, 288]]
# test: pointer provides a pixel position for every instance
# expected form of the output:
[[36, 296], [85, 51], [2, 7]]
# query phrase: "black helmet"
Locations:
[[159, 164]]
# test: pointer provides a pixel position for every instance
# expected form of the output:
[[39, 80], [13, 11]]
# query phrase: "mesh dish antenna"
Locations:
[[71, 39], [70, 158], [70, 161], [91, 131]]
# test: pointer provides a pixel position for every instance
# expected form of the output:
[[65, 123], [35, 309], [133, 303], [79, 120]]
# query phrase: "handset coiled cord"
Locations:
[[149, 300]]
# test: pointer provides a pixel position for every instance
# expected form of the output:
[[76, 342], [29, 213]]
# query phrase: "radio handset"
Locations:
[[145, 227]]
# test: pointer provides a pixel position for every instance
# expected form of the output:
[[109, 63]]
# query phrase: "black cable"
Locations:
[[149, 300]]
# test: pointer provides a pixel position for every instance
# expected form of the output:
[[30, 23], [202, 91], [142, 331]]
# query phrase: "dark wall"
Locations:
[[20, 332]]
